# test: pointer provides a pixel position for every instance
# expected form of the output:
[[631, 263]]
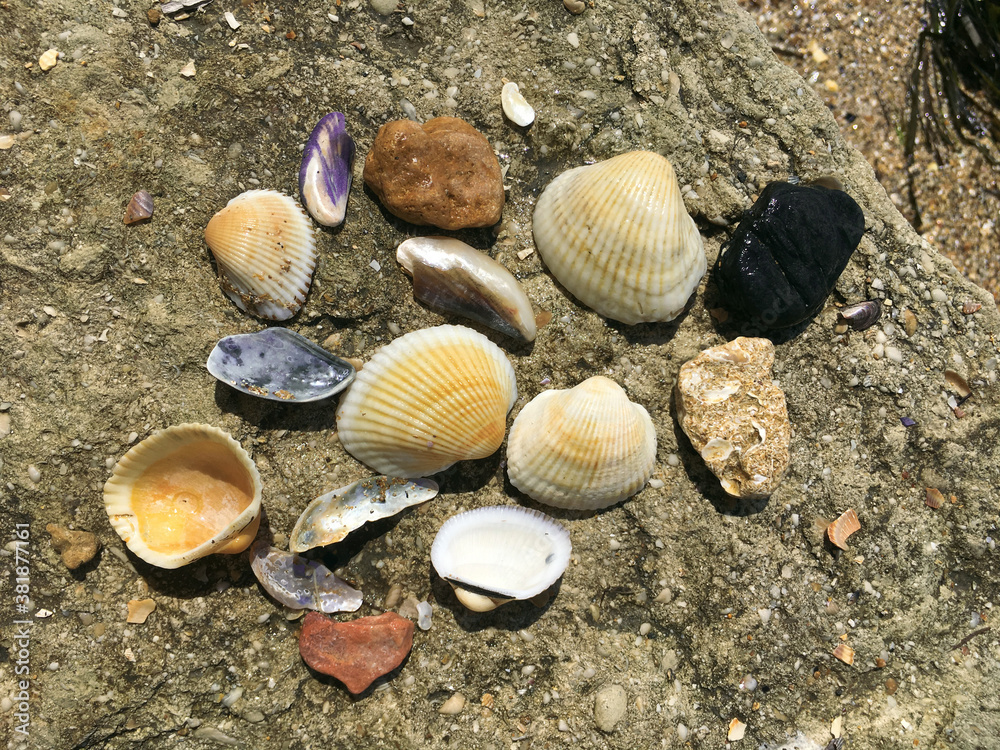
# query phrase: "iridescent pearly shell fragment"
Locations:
[[838, 531], [515, 106], [427, 400], [264, 247], [326, 172], [583, 448], [331, 517], [280, 365], [139, 208], [617, 236], [299, 583], [451, 276], [735, 417], [184, 493], [497, 554]]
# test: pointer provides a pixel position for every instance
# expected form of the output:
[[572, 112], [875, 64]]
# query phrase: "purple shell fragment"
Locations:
[[299, 583], [907, 421], [325, 176]]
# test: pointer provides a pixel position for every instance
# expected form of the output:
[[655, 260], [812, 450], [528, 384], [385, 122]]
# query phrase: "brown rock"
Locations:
[[154, 15], [735, 416], [76, 547], [358, 652], [443, 173]]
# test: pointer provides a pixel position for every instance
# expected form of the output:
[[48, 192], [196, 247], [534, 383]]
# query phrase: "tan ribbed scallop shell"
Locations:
[[583, 448], [427, 400], [263, 244], [183, 493], [617, 236]]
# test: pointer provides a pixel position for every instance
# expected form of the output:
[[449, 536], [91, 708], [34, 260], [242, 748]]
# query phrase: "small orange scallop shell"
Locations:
[[263, 244], [843, 527], [934, 498], [184, 493], [845, 653]]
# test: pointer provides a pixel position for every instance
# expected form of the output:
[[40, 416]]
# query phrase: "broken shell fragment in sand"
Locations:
[[451, 276], [326, 172], [299, 583], [838, 531], [280, 365], [331, 517], [861, 316], [183, 493], [497, 554], [139, 208], [515, 106], [735, 417]]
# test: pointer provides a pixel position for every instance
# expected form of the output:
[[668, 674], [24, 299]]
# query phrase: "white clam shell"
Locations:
[[427, 400], [183, 493], [583, 448], [515, 106], [264, 247], [501, 553], [617, 236]]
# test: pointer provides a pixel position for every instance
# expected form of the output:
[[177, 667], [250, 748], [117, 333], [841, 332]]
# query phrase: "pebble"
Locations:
[[424, 613], [682, 732], [357, 652], [232, 696], [15, 120], [384, 7], [453, 705], [609, 707], [573, 39], [48, 59], [442, 173], [33, 473], [139, 610]]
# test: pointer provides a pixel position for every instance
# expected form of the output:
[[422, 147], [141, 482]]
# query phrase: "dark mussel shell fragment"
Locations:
[[863, 315], [786, 255]]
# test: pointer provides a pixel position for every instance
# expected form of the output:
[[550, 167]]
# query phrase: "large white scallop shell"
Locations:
[[427, 400], [263, 244], [496, 554], [583, 448], [183, 493], [617, 236]]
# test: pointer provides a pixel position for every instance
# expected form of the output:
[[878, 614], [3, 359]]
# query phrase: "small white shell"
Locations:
[[496, 554], [515, 106], [583, 448], [617, 236], [427, 400], [263, 244]]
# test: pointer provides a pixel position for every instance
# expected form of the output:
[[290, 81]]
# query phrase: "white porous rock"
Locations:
[[735, 416]]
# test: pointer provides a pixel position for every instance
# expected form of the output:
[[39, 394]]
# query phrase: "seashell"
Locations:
[[451, 276], [845, 653], [934, 498], [958, 384], [326, 172], [970, 307], [843, 527], [497, 554], [515, 106], [280, 365], [617, 236], [299, 583], [139, 208], [427, 400], [584, 448], [331, 517], [48, 59], [263, 243], [861, 316], [787, 253], [183, 493]]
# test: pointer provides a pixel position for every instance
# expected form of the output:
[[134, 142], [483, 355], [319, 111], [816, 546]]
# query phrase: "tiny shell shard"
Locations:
[[331, 517], [139, 208], [299, 583], [843, 527], [515, 106], [451, 276], [48, 59], [845, 653], [325, 176], [735, 416]]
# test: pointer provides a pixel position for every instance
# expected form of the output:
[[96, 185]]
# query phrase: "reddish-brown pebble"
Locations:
[[358, 652], [442, 173], [75, 547]]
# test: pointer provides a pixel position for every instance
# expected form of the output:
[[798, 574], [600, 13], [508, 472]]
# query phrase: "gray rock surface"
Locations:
[[105, 329]]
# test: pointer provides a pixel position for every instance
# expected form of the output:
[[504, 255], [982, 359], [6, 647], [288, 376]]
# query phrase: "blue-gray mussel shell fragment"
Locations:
[[299, 583], [786, 255], [325, 176], [331, 517], [280, 365]]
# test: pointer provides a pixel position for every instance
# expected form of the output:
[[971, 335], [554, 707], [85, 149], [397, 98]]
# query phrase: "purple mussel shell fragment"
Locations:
[[325, 177], [299, 583]]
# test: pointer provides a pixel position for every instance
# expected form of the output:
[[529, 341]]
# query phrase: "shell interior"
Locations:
[[507, 552], [183, 493], [280, 365], [331, 517], [299, 583]]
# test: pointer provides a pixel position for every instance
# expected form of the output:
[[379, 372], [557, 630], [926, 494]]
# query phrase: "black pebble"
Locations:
[[786, 255]]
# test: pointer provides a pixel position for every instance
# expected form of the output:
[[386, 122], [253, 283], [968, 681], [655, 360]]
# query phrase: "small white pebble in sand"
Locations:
[[573, 39], [33, 473], [453, 705]]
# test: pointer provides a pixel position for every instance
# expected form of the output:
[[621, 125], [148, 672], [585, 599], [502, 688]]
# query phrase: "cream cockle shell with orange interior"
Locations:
[[183, 493]]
